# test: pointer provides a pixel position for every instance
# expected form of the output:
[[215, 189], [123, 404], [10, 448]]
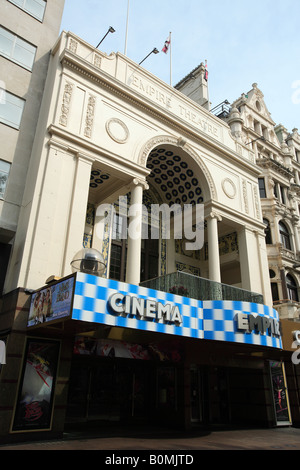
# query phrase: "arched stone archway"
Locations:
[[180, 147]]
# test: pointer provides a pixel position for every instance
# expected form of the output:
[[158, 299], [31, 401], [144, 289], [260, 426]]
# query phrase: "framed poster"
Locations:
[[35, 398], [52, 302], [280, 393]]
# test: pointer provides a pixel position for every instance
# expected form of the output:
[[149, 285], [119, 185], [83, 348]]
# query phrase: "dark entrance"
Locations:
[[225, 396], [109, 390], [209, 395]]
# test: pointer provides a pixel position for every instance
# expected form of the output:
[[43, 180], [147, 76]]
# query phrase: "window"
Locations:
[[284, 236], [268, 232], [16, 49], [282, 193], [292, 288], [4, 172], [118, 248], [262, 188], [11, 109], [149, 255], [35, 8], [275, 293]]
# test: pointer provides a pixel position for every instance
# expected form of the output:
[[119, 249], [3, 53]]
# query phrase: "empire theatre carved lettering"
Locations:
[[173, 104], [197, 120], [151, 91]]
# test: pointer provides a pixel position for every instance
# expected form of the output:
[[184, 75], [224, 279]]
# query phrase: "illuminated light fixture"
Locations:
[[110, 30], [154, 51]]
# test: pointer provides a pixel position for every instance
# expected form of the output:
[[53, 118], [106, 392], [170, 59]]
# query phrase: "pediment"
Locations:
[[257, 103]]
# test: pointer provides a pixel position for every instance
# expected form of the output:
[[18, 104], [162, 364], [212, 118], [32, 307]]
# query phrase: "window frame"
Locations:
[[262, 188], [292, 288], [15, 125], [12, 52], [28, 11], [285, 237], [268, 232], [4, 172]]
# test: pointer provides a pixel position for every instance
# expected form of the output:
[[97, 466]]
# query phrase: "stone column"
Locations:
[[77, 210], [213, 247], [296, 234], [134, 242]]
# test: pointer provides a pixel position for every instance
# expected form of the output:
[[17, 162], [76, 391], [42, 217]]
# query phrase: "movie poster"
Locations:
[[34, 405], [51, 303], [280, 393]]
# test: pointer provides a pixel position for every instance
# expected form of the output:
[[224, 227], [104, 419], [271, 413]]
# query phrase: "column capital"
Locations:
[[214, 215], [140, 182]]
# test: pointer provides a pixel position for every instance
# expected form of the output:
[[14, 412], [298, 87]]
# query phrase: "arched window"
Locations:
[[284, 236], [268, 232], [292, 288]]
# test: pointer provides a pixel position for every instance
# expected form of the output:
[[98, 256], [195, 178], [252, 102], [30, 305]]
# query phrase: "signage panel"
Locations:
[[99, 300], [52, 302], [114, 303]]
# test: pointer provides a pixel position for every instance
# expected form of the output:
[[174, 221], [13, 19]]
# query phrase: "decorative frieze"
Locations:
[[245, 197], [73, 45], [89, 119], [65, 107]]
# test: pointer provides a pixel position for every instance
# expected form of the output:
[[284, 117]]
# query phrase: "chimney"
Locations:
[[195, 86]]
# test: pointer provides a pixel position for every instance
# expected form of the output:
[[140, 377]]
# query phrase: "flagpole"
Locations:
[[170, 60], [125, 49]]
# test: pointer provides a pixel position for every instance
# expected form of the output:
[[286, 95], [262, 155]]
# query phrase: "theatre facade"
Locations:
[[155, 326]]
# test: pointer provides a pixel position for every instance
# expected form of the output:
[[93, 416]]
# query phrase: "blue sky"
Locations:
[[243, 41]]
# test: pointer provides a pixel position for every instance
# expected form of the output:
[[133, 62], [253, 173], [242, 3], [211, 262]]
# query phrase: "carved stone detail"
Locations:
[[117, 130], [89, 119], [73, 45], [256, 201], [229, 188], [97, 61], [245, 196], [65, 107]]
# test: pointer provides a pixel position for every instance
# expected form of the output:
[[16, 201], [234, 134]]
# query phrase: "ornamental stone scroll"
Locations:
[[65, 106]]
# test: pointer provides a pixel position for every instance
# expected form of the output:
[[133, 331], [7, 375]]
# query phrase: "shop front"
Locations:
[[126, 354]]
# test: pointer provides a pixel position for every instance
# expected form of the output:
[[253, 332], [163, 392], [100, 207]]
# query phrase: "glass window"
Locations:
[[35, 8], [268, 232], [262, 188], [282, 193], [275, 293], [4, 172], [11, 109], [284, 236], [115, 262], [291, 288], [16, 49]]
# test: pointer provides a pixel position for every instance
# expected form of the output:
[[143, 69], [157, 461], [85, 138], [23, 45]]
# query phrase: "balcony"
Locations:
[[199, 288]]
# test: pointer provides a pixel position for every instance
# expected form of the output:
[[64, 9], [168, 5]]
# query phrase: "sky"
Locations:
[[243, 41]]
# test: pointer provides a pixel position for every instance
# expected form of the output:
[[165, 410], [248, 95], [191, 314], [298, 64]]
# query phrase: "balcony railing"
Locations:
[[199, 288]]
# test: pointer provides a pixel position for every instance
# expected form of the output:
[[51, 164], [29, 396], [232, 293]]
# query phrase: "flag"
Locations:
[[166, 45], [206, 72]]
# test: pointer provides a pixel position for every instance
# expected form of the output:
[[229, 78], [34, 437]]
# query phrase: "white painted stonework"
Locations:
[[102, 116]]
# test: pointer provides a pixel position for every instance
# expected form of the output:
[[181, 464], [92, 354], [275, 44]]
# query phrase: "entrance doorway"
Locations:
[[209, 395], [109, 390]]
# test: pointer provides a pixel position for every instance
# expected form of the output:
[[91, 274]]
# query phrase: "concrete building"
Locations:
[[276, 154], [27, 33], [192, 331]]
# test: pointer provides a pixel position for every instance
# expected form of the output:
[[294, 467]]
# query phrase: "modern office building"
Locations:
[[138, 285], [27, 32]]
